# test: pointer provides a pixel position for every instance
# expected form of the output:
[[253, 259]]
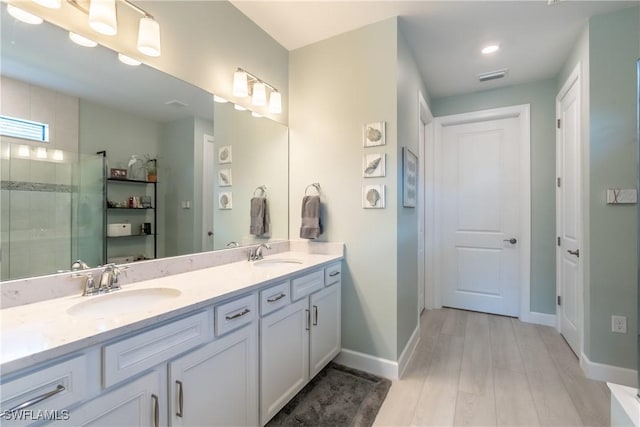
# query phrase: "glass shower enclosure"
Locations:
[[51, 209]]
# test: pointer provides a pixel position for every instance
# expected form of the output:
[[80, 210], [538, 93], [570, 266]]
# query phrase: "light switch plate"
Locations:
[[616, 196]]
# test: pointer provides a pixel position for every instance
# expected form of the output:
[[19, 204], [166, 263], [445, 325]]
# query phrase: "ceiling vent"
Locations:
[[492, 75]]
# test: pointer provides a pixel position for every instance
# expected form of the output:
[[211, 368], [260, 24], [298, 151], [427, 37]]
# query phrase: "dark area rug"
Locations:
[[337, 396]]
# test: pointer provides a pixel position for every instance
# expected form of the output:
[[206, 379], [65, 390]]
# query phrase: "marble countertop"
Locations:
[[35, 333]]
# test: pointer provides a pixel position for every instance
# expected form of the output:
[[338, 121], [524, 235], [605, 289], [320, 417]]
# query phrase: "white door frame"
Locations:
[[208, 175], [425, 202], [522, 112], [574, 78]]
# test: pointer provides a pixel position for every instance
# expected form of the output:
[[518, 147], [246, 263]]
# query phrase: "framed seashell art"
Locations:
[[224, 154], [224, 177], [373, 134], [409, 178], [225, 200], [373, 196], [373, 165]]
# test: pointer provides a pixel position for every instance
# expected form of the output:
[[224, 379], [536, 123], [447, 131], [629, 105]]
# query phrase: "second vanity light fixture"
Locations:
[[103, 19], [245, 84]]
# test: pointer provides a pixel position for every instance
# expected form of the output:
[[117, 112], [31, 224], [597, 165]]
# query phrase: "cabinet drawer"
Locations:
[[275, 297], [63, 383], [307, 284], [130, 356], [333, 274], [233, 314]]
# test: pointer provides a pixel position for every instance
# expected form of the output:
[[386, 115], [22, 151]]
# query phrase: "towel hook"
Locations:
[[262, 188], [316, 185]]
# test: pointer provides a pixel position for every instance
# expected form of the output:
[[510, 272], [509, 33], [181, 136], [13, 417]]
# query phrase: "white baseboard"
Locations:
[[365, 362], [608, 373], [539, 318], [409, 351]]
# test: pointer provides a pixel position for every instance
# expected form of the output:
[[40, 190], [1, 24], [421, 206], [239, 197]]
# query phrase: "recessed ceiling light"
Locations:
[[128, 60], [24, 16], [490, 49], [219, 99], [81, 40]]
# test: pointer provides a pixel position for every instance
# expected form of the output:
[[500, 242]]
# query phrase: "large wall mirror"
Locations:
[[62, 201]]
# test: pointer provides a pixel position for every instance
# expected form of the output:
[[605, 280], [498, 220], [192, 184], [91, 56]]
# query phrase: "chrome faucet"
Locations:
[[255, 254], [79, 265], [233, 245], [109, 279]]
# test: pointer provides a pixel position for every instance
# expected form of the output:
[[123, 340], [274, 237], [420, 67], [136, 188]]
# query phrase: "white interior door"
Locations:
[[568, 211], [208, 177], [420, 216], [480, 201]]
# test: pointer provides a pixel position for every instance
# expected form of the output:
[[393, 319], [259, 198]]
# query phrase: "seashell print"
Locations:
[[372, 166], [373, 134], [372, 197], [224, 154], [224, 200], [224, 178]]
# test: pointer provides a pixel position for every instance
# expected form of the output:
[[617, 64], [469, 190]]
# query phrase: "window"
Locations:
[[25, 129]]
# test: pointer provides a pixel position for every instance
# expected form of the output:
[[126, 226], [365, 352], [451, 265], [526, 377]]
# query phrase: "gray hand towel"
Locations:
[[311, 227], [259, 216]]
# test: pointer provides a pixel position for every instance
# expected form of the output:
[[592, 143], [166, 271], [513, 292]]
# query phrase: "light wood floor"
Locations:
[[476, 369]]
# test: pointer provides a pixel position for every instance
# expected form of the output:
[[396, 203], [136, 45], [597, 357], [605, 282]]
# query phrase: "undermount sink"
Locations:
[[276, 262], [121, 302]]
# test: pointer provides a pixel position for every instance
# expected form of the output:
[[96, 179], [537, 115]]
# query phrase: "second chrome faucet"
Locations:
[[255, 254]]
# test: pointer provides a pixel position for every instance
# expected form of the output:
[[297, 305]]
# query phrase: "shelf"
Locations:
[[131, 181], [131, 209], [130, 235]]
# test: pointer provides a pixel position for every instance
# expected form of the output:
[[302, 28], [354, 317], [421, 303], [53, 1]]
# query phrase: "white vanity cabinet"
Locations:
[[297, 341], [217, 385], [137, 403]]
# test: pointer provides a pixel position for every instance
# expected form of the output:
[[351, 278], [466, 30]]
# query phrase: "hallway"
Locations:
[[476, 369]]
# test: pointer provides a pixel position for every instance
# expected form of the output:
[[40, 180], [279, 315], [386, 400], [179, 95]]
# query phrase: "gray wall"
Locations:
[[541, 96], [409, 82], [338, 85], [614, 41]]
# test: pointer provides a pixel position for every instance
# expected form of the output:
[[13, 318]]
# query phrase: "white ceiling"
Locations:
[[446, 36]]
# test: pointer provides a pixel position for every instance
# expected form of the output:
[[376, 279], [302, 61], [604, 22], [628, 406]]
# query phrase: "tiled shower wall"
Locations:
[[36, 194]]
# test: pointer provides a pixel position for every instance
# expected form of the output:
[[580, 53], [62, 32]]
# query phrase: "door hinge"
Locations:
[[558, 182], [559, 300], [558, 123], [558, 241]]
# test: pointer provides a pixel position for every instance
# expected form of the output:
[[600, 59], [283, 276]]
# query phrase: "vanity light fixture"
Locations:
[[23, 16], [487, 50], [128, 60], [57, 155], [81, 40], [23, 151], [219, 99], [245, 84], [41, 153], [103, 19]]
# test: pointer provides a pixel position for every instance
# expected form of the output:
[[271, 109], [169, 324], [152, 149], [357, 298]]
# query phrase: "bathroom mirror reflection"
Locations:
[[54, 193]]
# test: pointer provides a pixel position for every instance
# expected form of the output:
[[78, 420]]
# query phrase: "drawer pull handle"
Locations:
[[278, 298], [38, 399], [315, 315], [156, 411], [308, 320], [180, 399], [334, 274], [242, 313]]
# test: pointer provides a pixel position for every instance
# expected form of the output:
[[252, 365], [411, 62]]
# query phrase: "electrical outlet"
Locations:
[[619, 324]]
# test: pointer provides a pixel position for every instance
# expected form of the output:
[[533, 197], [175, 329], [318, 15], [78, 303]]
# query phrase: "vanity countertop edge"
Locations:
[[35, 333]]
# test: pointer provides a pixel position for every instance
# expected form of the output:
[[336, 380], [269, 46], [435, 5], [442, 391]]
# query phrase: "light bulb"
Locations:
[[51, 4], [149, 37], [128, 60], [240, 88], [23, 16], [81, 40], [41, 153], [102, 17], [275, 103], [57, 155], [259, 94]]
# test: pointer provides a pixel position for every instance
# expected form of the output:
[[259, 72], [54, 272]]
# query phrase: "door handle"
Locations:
[[512, 240], [180, 412], [156, 411], [576, 252]]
